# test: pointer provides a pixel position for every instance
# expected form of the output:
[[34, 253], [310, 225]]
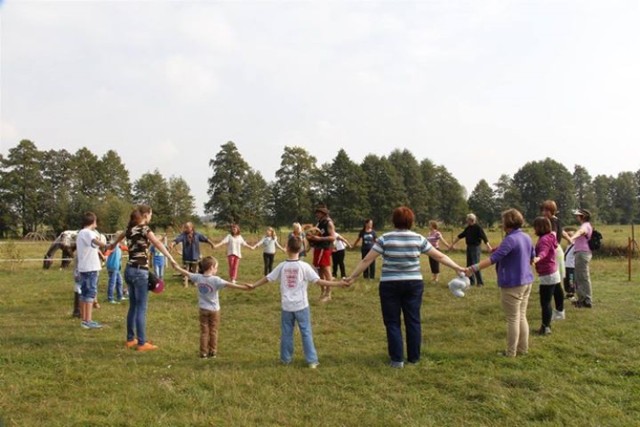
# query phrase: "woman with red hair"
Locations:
[[401, 283]]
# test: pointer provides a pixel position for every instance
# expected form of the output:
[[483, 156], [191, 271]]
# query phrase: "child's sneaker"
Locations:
[[204, 356], [85, 325], [147, 347], [113, 302], [132, 343], [558, 315], [94, 325], [212, 355], [313, 365]]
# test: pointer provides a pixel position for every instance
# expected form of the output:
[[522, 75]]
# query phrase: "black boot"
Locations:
[[76, 305]]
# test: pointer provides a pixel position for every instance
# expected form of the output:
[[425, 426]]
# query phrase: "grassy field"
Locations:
[[52, 372]]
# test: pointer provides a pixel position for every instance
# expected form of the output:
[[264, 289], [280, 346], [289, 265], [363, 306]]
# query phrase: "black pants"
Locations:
[[473, 257], [337, 259], [268, 262], [369, 272], [546, 293], [434, 265]]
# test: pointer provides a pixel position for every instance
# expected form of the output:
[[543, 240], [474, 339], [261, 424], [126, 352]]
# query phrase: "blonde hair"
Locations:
[[472, 217]]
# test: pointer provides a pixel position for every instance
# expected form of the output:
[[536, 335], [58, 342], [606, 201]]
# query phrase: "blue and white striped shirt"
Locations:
[[400, 250]]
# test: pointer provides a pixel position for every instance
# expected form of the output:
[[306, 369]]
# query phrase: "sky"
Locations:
[[480, 87]]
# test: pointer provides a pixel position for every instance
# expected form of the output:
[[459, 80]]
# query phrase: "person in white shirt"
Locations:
[[89, 266], [294, 276]]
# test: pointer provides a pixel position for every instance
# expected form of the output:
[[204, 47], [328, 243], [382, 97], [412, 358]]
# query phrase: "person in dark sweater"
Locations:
[[473, 236]]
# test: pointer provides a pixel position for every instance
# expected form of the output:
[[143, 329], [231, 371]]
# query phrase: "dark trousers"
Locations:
[[268, 262], [546, 293], [473, 257], [337, 259], [558, 297], [402, 299], [434, 265], [369, 272]]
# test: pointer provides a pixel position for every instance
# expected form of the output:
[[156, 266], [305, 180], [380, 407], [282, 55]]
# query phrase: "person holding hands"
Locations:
[[294, 277], [401, 283]]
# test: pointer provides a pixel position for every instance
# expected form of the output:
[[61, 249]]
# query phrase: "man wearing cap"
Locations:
[[322, 248], [580, 239]]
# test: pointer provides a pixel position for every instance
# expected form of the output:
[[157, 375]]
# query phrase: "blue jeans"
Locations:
[[115, 282], [88, 286], [288, 320], [402, 298], [158, 268], [138, 283], [473, 257]]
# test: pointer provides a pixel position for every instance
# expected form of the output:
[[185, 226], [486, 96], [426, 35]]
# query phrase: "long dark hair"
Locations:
[[136, 215]]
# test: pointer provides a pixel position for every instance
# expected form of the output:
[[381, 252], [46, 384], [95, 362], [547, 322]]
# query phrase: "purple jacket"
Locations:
[[546, 250], [513, 260]]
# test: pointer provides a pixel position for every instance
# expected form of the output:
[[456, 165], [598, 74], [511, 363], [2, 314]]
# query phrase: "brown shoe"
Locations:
[[147, 347], [132, 343]]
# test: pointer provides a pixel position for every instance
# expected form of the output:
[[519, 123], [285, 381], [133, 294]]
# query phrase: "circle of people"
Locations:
[[401, 283]]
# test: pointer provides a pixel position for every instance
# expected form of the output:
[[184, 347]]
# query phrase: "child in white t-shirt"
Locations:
[[294, 276], [208, 285]]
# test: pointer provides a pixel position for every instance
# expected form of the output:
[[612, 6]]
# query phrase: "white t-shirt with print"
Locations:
[[87, 251], [234, 245], [294, 276], [208, 287]]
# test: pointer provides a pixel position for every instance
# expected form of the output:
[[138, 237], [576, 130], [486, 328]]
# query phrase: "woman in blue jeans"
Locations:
[[401, 284], [139, 237]]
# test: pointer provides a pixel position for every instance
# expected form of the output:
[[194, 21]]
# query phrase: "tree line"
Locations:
[[51, 189]]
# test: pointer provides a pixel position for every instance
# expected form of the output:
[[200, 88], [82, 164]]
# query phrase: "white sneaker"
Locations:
[[557, 315], [313, 365]]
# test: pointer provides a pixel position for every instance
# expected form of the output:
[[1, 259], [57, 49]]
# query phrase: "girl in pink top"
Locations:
[[435, 237], [547, 269]]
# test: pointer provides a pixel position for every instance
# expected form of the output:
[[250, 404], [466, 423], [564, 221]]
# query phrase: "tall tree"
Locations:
[[293, 186], [114, 177], [428, 175], [152, 189], [385, 189], [86, 170], [255, 201], [585, 197], [542, 180], [482, 203], [24, 190], [57, 176], [452, 205], [182, 204], [506, 195], [414, 186], [624, 197], [604, 190], [227, 185], [347, 191]]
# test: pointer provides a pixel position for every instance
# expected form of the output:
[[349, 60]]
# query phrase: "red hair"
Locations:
[[403, 218]]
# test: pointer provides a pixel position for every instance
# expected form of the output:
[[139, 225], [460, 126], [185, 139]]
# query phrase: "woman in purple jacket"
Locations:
[[513, 265], [547, 269]]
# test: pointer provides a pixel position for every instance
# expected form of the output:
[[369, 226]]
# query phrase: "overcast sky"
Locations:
[[481, 87]]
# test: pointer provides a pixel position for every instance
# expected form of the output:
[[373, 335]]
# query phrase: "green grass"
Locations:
[[52, 372]]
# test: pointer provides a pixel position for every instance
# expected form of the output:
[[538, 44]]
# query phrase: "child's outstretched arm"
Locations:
[[179, 269], [242, 287], [338, 284], [260, 282]]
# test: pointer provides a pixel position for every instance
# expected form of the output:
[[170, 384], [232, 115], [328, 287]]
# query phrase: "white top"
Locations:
[[294, 276], [208, 287], [570, 257], [87, 251], [339, 244], [268, 244], [234, 243]]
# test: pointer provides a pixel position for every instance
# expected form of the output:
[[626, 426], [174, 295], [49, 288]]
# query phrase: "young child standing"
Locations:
[[294, 276], [158, 258], [234, 242], [208, 286], [114, 262], [269, 243], [435, 237], [89, 267], [570, 271], [547, 269], [337, 256]]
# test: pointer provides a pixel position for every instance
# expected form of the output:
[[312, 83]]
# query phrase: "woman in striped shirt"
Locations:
[[401, 284]]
